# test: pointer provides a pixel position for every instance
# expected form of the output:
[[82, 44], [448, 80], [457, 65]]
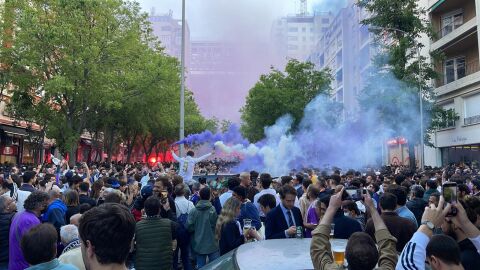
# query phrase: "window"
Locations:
[[311, 29], [454, 69], [324, 29], [339, 76], [304, 39], [292, 47], [451, 21], [339, 95], [446, 121], [293, 29], [304, 29], [471, 105], [166, 28], [292, 38], [325, 20]]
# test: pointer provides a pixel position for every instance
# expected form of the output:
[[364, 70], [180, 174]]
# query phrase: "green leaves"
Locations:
[[279, 93], [96, 67]]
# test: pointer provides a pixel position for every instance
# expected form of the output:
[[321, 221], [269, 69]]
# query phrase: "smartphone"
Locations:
[[449, 192], [352, 192]]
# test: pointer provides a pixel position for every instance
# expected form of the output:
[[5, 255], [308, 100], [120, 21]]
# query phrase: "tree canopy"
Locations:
[[279, 93], [94, 66]]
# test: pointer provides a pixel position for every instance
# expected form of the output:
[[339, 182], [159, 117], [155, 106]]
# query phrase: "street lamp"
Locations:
[[182, 84], [422, 144]]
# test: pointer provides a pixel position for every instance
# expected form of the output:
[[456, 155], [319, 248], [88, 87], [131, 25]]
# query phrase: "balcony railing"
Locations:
[[472, 120], [447, 29], [470, 68], [447, 124]]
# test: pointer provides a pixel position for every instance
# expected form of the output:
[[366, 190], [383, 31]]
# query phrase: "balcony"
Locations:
[[471, 67], [471, 120], [446, 37], [452, 20], [450, 124]]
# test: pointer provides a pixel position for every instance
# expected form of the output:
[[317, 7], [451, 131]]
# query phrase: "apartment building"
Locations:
[[345, 48], [169, 32], [458, 86], [295, 36]]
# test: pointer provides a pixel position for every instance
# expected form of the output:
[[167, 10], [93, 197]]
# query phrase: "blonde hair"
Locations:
[[229, 213]]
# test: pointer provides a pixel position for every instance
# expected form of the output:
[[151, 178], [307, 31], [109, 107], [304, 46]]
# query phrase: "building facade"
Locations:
[[458, 86], [169, 32], [345, 47], [295, 36]]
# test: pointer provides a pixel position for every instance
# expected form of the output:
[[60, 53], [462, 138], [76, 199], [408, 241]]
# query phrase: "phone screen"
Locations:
[[351, 192], [450, 193]]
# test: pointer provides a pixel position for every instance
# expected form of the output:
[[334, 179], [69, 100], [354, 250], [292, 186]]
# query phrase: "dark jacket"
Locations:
[[55, 214], [153, 237], [345, 226], [417, 206], [230, 237], [469, 255], [171, 213], [5, 222], [401, 228], [27, 187], [71, 210], [275, 224], [82, 198], [427, 194], [201, 222]]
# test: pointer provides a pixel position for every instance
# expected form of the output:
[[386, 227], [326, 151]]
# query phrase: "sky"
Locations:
[[245, 23]]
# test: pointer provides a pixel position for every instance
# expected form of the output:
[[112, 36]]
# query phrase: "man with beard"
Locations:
[[457, 227]]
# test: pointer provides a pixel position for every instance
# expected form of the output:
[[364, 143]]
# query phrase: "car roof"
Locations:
[[275, 254]]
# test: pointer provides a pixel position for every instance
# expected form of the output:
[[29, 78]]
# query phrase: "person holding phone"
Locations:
[[166, 201], [461, 228]]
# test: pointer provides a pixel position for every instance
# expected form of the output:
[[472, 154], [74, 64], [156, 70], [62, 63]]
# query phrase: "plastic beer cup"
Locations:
[[338, 250]]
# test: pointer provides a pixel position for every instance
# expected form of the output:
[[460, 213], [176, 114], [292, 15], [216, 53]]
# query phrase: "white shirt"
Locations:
[[263, 192], [225, 196], [187, 166], [19, 196], [183, 206]]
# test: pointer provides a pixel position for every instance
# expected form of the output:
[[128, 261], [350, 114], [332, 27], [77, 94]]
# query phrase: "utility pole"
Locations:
[[182, 85]]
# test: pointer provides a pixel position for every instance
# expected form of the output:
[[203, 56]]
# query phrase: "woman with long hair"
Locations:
[[228, 230], [71, 200]]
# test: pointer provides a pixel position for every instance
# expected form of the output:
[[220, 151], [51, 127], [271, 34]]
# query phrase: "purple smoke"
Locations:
[[231, 136]]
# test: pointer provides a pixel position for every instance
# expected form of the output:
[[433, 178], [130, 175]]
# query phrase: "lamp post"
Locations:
[[422, 143], [182, 83]]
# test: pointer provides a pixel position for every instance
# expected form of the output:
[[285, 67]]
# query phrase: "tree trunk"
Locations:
[[130, 145], [72, 155], [411, 155], [110, 147]]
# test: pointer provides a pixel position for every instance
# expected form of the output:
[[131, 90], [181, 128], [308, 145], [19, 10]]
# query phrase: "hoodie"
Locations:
[[201, 222], [55, 214]]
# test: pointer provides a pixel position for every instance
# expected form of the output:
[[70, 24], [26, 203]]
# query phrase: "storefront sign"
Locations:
[[9, 150], [459, 139]]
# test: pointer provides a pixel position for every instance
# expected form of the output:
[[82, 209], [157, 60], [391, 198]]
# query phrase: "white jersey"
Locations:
[[187, 166]]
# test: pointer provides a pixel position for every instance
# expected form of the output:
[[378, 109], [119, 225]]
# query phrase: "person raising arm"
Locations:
[[361, 252]]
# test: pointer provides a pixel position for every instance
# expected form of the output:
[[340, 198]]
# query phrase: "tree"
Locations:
[[401, 23], [94, 66], [279, 93]]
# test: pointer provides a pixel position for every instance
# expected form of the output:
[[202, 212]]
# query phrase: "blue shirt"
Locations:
[[404, 212]]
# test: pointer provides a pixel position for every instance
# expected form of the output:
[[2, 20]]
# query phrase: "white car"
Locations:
[[275, 254]]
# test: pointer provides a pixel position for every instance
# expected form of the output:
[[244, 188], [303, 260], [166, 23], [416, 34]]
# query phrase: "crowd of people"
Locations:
[[135, 216]]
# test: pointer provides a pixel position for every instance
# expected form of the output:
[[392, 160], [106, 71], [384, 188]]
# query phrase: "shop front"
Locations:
[[458, 145]]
